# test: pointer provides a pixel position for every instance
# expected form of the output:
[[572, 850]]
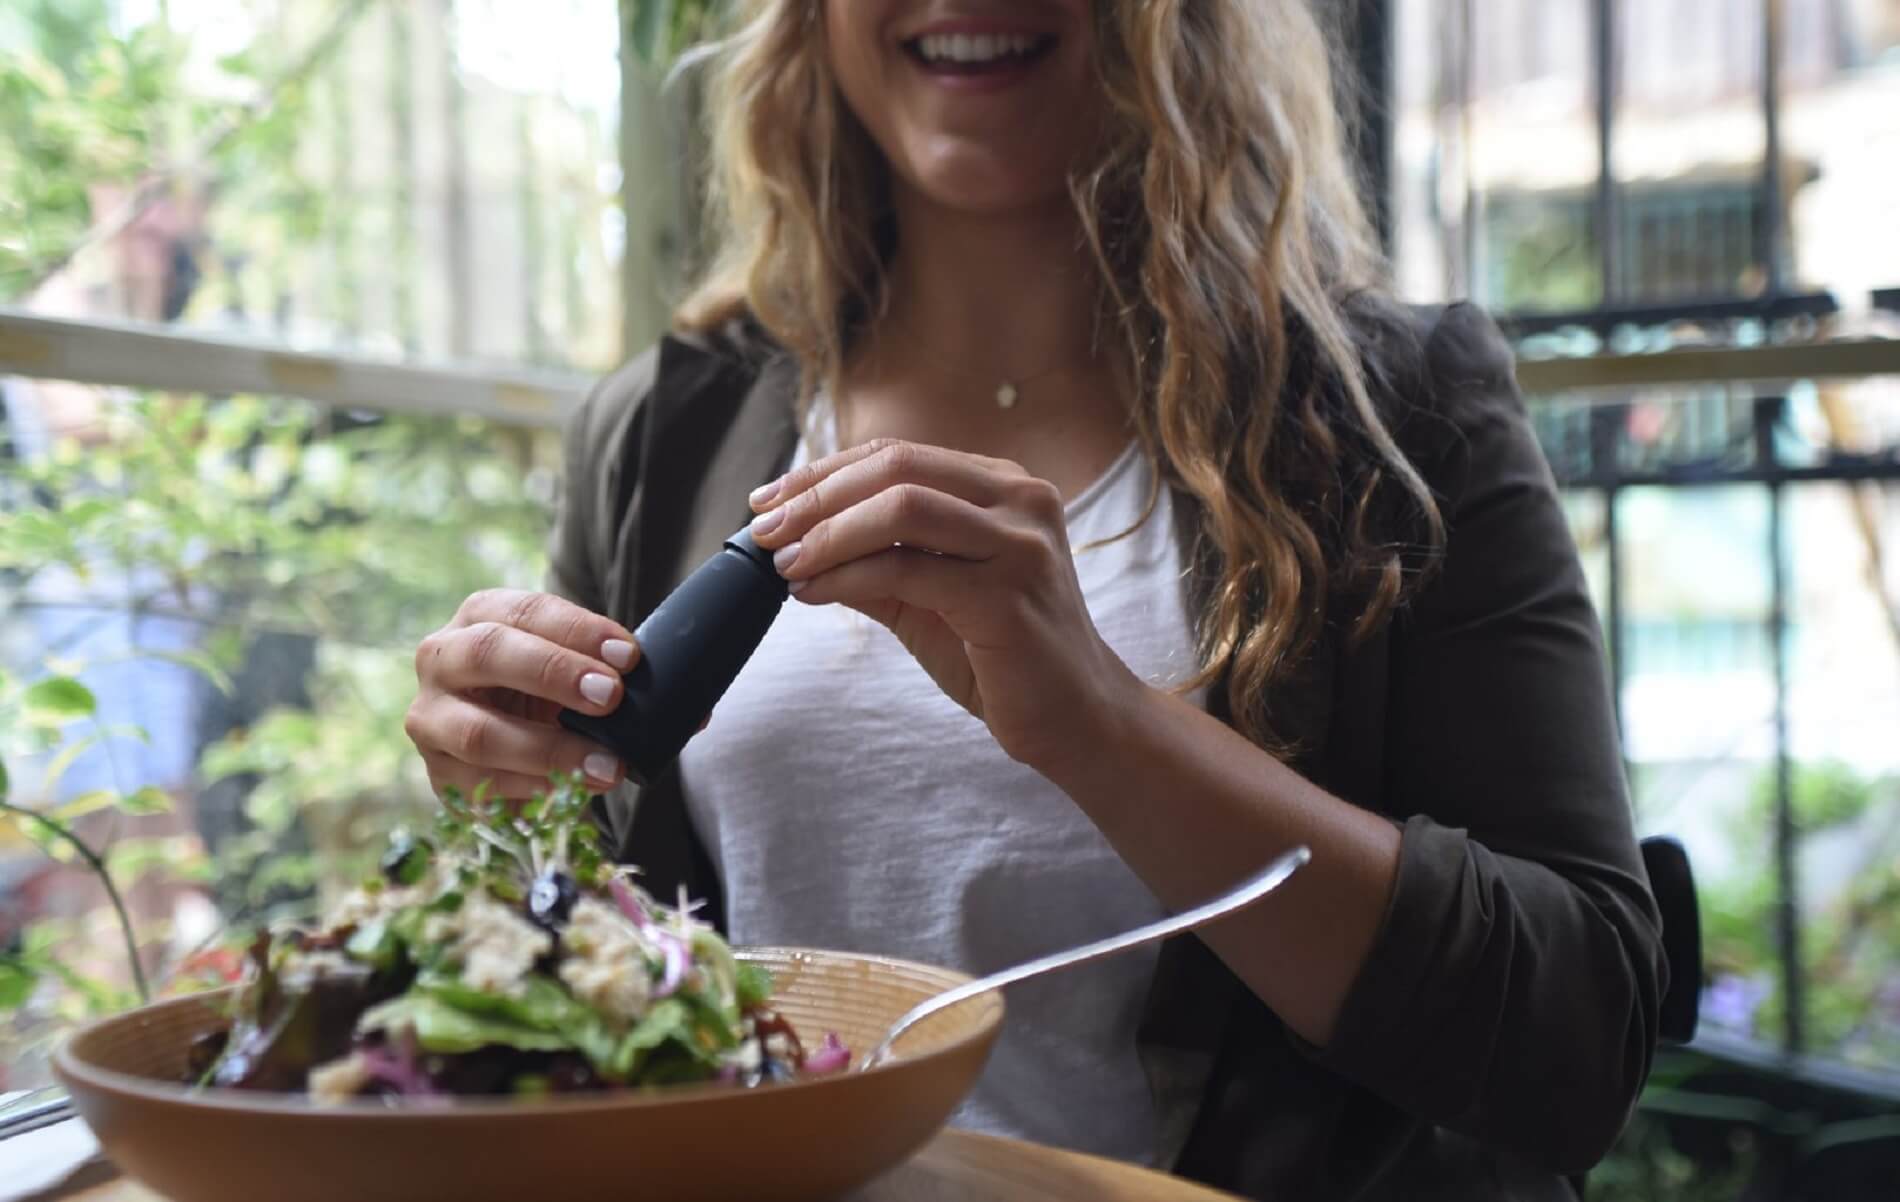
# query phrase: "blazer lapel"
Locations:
[[721, 426]]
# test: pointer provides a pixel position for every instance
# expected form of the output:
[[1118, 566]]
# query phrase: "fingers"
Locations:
[[554, 619], [835, 483], [463, 742], [933, 583], [870, 498], [908, 515], [495, 654], [537, 651]]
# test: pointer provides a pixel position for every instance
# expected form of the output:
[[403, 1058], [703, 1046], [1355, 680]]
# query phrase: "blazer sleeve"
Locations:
[[1513, 991]]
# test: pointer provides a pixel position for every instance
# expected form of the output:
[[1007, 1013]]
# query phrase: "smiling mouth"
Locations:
[[978, 53]]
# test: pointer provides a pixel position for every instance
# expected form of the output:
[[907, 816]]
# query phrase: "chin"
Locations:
[[986, 185]]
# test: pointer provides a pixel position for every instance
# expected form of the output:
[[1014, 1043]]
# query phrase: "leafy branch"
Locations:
[[160, 183], [58, 700], [91, 857]]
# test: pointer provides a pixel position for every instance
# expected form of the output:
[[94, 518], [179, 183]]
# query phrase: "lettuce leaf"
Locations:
[[376, 945], [669, 1021], [541, 1005], [755, 985], [441, 1027]]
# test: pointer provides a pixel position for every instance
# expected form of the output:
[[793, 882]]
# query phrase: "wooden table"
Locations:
[[955, 1167]]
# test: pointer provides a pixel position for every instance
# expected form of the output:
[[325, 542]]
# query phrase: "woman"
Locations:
[[1063, 316]]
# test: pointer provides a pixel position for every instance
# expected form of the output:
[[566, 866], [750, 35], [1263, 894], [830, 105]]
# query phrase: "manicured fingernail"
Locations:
[[618, 652], [763, 494], [765, 523], [597, 688], [785, 557], [601, 767], [797, 587]]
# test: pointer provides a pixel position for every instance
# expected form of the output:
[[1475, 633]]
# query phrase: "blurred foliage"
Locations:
[[73, 110], [83, 104], [1540, 253], [242, 518], [659, 30], [1850, 942], [1689, 1144], [1647, 1165], [264, 515], [246, 516]]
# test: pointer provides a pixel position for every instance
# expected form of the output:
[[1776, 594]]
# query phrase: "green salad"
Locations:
[[502, 953]]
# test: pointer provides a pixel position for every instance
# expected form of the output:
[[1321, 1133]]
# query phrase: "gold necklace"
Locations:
[[1009, 389]]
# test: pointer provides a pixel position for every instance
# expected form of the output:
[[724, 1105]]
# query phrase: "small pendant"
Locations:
[[1006, 395]]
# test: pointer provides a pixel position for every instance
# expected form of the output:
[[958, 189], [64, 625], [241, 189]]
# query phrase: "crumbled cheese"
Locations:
[[360, 907], [442, 928], [316, 965], [750, 1058], [606, 961], [495, 945], [339, 1080]]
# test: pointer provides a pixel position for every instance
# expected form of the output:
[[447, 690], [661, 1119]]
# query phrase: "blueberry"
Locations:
[[552, 899]]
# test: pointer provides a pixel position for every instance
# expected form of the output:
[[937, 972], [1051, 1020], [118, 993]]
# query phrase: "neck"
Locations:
[[1005, 297]]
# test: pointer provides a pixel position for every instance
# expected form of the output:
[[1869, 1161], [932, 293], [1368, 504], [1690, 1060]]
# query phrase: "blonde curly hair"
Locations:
[[1231, 247]]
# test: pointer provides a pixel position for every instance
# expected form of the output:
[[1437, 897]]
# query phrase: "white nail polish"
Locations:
[[601, 767], [597, 688]]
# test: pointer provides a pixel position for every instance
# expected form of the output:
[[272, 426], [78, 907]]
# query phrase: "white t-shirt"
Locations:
[[849, 804]]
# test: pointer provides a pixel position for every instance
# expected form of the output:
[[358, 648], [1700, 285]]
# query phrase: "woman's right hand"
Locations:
[[492, 681]]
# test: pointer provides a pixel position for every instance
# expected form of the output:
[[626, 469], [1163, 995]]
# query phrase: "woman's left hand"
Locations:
[[966, 560]]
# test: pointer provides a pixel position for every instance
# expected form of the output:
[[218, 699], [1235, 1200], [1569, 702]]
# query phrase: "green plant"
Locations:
[[43, 710], [251, 517], [1850, 938], [255, 522], [84, 105]]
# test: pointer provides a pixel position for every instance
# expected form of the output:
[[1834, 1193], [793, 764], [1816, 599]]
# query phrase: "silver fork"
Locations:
[[35, 1109], [1238, 898]]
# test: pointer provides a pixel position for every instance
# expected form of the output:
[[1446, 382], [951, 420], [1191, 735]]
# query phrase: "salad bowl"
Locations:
[[804, 1139]]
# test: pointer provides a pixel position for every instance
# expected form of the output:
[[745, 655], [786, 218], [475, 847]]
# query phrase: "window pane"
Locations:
[[1687, 149], [1841, 140], [1498, 155], [1428, 176], [240, 584], [435, 179], [1699, 692], [1844, 640], [1698, 705]]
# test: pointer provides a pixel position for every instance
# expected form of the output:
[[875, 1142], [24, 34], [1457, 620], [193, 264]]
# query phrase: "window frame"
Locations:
[[145, 355]]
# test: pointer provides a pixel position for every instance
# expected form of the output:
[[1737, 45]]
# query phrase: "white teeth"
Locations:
[[973, 48]]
